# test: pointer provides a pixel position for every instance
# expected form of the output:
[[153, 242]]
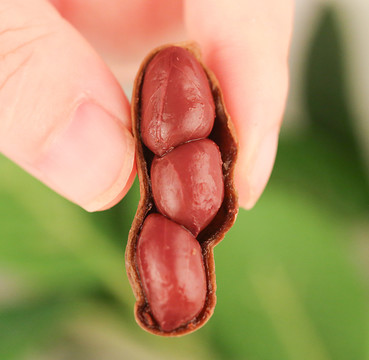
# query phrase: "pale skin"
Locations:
[[64, 117]]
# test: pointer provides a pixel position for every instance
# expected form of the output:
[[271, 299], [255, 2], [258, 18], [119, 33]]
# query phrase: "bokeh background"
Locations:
[[292, 274]]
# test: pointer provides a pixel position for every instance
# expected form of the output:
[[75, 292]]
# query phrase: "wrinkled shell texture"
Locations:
[[186, 150]]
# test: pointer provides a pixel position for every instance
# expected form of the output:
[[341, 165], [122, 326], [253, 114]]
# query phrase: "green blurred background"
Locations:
[[292, 274]]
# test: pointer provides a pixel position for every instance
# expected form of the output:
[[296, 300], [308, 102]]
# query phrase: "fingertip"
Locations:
[[106, 204], [253, 176], [91, 161], [122, 183], [246, 45]]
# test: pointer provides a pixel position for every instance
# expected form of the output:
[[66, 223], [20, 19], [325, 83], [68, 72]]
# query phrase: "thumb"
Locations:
[[63, 116]]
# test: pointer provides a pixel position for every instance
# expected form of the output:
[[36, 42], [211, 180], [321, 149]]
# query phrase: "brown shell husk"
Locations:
[[223, 134]]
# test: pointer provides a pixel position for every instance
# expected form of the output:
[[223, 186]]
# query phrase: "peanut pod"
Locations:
[[169, 302]]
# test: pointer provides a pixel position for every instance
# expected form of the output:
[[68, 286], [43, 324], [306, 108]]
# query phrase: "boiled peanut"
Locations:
[[187, 184], [176, 101], [172, 272]]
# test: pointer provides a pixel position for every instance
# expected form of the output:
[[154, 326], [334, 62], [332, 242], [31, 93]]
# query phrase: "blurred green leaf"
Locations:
[[313, 164], [53, 239], [31, 252], [100, 332], [327, 100], [24, 328], [326, 159], [286, 287]]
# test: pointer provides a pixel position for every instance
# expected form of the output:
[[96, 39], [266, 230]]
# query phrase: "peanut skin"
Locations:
[[172, 272], [177, 104], [187, 184]]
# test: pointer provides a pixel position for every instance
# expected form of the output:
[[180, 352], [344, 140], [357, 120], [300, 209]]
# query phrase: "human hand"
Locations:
[[64, 117]]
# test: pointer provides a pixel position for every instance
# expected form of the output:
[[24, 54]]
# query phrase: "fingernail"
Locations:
[[260, 169], [90, 161]]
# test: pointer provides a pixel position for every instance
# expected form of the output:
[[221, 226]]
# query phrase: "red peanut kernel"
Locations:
[[177, 103], [172, 272], [187, 184]]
